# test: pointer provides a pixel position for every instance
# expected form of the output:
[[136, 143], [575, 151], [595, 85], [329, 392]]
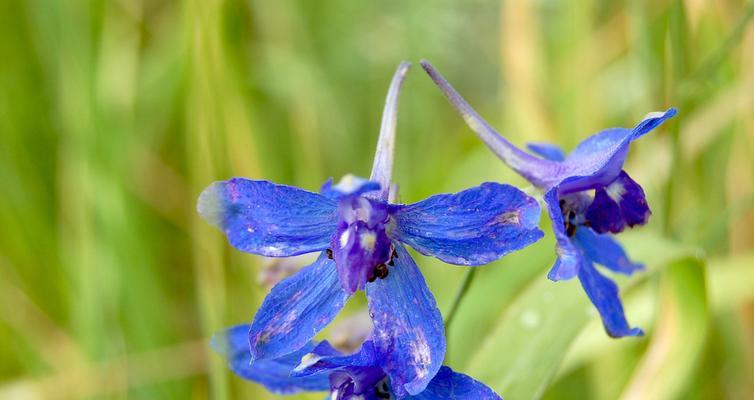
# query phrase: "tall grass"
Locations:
[[115, 114]]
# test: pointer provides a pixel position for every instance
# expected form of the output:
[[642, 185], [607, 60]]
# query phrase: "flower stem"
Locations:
[[470, 272]]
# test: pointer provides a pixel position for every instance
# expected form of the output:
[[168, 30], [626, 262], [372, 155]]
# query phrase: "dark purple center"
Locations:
[[361, 248], [614, 207], [359, 383]]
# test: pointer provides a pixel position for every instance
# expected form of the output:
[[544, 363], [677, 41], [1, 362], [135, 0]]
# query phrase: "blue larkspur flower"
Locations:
[[361, 237], [319, 367], [582, 222]]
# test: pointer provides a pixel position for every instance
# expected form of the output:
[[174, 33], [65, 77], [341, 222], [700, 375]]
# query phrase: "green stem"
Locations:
[[470, 272], [712, 62]]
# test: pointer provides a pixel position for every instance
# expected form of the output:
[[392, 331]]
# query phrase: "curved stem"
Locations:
[[470, 272], [534, 169]]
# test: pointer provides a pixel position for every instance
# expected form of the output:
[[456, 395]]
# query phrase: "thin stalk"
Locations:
[[719, 55], [470, 272]]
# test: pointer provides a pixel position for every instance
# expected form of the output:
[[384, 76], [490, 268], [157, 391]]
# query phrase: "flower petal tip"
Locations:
[[633, 332], [555, 275], [210, 205], [403, 68], [651, 121], [349, 184], [566, 267]]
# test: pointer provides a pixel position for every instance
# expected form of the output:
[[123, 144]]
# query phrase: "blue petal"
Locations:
[[631, 198], [603, 293], [472, 227], [569, 257], [272, 374], [604, 250], [621, 203], [349, 185], [325, 358], [448, 384], [296, 309], [651, 121], [547, 151], [604, 214], [409, 336], [598, 160], [272, 220]]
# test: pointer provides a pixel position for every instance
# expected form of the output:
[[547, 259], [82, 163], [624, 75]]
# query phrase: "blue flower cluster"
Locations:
[[361, 237]]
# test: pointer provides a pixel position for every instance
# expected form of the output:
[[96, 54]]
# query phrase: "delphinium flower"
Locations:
[[588, 197], [361, 238], [319, 367]]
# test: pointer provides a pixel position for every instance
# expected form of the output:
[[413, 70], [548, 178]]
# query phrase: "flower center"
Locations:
[[618, 205], [611, 209], [361, 248], [572, 207], [353, 383]]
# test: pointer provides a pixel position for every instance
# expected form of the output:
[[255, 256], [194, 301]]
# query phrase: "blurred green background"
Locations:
[[115, 114]]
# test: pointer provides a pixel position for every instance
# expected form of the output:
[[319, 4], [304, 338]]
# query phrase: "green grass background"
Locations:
[[115, 114]]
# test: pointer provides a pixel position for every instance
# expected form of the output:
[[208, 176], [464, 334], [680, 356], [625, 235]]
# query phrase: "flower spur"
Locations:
[[582, 222], [319, 367], [361, 238]]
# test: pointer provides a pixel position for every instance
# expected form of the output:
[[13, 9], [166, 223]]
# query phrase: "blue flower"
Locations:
[[319, 367], [361, 238], [582, 221]]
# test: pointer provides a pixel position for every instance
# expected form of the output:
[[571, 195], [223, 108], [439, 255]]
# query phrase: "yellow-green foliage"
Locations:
[[115, 114]]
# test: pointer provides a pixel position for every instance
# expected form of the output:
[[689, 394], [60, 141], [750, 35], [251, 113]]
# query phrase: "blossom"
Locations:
[[361, 238], [588, 197], [320, 367]]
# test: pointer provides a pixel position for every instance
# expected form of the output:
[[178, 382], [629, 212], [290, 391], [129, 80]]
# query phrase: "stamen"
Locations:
[[380, 271], [329, 253], [570, 229], [569, 217], [382, 390]]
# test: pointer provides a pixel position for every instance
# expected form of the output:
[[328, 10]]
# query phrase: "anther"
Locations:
[[380, 271], [329, 253], [570, 229], [382, 391]]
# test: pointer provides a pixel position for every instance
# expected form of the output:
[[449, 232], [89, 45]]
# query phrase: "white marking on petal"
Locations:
[[272, 251], [349, 183], [509, 218], [364, 211], [344, 238], [421, 355], [307, 361], [616, 191], [367, 241]]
